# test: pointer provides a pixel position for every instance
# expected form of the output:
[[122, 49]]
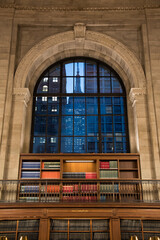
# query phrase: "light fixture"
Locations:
[[3, 238], [134, 237], [79, 161], [23, 238], [154, 238]]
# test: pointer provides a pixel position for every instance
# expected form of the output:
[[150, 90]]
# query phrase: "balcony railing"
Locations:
[[74, 191]]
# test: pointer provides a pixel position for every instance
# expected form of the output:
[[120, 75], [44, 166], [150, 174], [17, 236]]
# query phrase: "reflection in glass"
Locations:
[[92, 105], [52, 144], [79, 84], [79, 145], [79, 68], [53, 106], [79, 106], [68, 69], [91, 85], [52, 125], [67, 85], [106, 105], [79, 126], [54, 71], [92, 125], [67, 105], [105, 85], [39, 125], [67, 126], [39, 144], [54, 84], [104, 71], [92, 145], [106, 124], [66, 144], [116, 86], [91, 68], [40, 106]]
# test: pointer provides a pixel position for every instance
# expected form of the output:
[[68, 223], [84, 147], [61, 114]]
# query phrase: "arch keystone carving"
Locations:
[[79, 30]]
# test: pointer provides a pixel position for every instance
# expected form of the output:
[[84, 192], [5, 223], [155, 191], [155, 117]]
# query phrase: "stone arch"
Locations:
[[79, 42]]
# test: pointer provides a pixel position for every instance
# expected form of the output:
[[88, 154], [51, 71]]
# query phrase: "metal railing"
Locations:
[[102, 191]]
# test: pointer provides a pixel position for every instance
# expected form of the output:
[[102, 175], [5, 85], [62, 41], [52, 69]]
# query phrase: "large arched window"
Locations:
[[79, 107]]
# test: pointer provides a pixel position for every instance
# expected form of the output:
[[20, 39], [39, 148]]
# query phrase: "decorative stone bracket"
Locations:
[[79, 31], [21, 95], [135, 93]]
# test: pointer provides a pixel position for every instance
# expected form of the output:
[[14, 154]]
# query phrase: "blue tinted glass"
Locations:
[[116, 86], [67, 69], [79, 84], [79, 126], [92, 125], [43, 85], [91, 85], [67, 85], [106, 105], [92, 105], [67, 105], [92, 145], [106, 124], [39, 144], [91, 68], [54, 71], [79, 68], [52, 125], [52, 144], [53, 105], [66, 144], [107, 146], [79, 145], [79, 106], [39, 126], [40, 106], [104, 71], [54, 84], [105, 85], [67, 126]]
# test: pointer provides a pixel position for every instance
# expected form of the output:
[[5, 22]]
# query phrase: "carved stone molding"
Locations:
[[135, 93], [21, 95], [79, 30]]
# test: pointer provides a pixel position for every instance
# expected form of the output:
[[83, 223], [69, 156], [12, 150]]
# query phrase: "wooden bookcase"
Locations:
[[78, 177]]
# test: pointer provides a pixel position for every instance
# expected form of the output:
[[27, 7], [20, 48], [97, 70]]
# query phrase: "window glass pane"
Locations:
[[105, 85], [79, 126], [92, 144], [67, 69], [67, 85], [67, 105], [43, 85], [52, 125], [39, 125], [79, 105], [79, 68], [91, 68], [67, 126], [52, 144], [104, 71], [92, 125], [79, 145], [40, 106], [92, 105], [66, 144], [106, 124], [53, 105], [91, 85], [116, 86], [39, 144], [106, 105], [79, 84], [54, 71], [54, 84], [107, 145]]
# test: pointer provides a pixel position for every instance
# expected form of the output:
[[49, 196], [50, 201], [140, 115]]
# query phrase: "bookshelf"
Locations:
[[79, 229], [14, 229], [78, 170]]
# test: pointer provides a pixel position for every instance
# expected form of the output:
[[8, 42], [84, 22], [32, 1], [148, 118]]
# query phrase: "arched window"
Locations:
[[79, 107]]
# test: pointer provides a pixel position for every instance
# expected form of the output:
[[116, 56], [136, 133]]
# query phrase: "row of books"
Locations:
[[108, 174], [108, 164], [51, 165], [79, 198], [31, 165], [50, 175], [28, 174], [109, 188], [86, 175], [37, 199]]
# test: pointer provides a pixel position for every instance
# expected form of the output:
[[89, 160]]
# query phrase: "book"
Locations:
[[33, 174], [50, 175]]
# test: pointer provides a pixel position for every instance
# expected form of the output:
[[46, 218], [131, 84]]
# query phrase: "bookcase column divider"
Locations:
[[115, 230], [44, 229]]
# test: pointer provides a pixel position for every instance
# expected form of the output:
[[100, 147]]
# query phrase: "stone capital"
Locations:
[[135, 93], [79, 31], [21, 95]]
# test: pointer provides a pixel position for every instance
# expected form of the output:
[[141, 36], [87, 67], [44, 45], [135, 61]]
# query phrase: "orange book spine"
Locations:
[[47, 175]]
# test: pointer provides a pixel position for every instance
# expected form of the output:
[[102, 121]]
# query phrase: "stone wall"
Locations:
[[36, 35]]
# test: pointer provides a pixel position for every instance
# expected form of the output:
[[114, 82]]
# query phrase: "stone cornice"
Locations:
[[135, 93], [22, 95], [92, 9]]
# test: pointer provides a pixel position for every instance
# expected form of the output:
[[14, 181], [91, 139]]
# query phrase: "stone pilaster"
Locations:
[[139, 104]]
